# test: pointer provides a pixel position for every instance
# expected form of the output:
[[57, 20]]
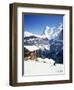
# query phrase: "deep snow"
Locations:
[[42, 67]]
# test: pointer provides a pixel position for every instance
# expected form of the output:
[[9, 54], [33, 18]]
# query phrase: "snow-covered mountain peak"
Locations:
[[27, 34], [49, 32], [60, 27], [47, 27], [52, 32]]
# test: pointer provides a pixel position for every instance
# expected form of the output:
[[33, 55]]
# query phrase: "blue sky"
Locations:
[[36, 23]]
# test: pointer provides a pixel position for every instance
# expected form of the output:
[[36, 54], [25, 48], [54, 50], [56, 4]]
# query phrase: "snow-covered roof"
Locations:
[[31, 48]]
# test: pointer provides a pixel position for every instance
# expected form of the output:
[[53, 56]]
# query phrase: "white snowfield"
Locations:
[[42, 67], [35, 47], [28, 34], [46, 60], [31, 48], [47, 47]]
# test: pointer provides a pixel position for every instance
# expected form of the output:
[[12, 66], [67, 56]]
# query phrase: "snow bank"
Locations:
[[39, 68], [31, 48], [46, 60]]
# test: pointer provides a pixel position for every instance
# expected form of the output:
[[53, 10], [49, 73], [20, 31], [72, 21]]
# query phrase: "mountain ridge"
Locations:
[[49, 33]]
